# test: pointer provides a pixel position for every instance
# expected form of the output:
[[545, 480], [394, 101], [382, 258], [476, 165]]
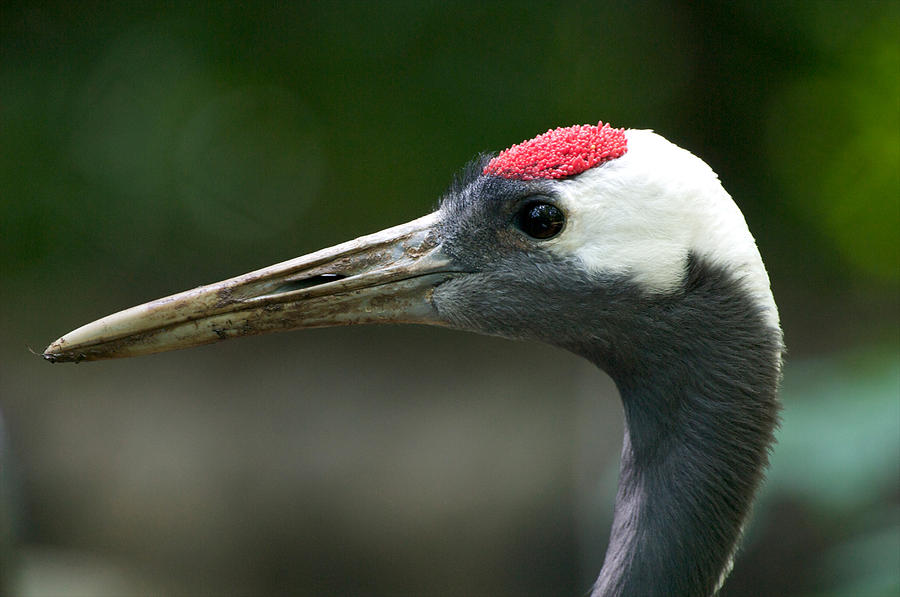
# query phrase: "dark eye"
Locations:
[[540, 220]]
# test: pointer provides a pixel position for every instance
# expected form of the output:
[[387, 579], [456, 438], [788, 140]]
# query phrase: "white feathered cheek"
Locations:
[[638, 233]]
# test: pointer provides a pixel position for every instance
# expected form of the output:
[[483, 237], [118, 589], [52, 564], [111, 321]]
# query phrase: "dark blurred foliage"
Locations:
[[149, 148]]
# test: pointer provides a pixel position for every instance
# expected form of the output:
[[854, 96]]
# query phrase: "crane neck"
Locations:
[[700, 407]]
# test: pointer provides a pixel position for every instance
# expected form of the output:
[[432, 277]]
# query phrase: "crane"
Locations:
[[614, 244]]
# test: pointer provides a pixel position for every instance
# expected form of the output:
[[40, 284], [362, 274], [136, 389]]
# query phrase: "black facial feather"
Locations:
[[467, 175]]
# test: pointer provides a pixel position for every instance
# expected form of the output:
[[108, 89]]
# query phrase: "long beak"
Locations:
[[384, 277]]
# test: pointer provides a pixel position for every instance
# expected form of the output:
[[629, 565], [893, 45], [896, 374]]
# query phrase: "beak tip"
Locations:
[[56, 353]]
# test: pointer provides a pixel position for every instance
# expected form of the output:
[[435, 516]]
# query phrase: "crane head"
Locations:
[[517, 245]]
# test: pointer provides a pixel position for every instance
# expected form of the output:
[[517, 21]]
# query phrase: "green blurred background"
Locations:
[[145, 149]]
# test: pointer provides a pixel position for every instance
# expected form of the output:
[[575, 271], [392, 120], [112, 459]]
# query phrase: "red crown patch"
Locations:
[[559, 153]]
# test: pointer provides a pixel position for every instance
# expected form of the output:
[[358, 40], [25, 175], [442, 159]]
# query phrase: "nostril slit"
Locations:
[[307, 283]]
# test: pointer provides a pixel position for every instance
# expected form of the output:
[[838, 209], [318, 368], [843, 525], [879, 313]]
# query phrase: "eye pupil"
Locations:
[[541, 220]]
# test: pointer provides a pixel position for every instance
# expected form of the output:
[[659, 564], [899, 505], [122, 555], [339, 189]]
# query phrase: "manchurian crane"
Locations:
[[614, 244]]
